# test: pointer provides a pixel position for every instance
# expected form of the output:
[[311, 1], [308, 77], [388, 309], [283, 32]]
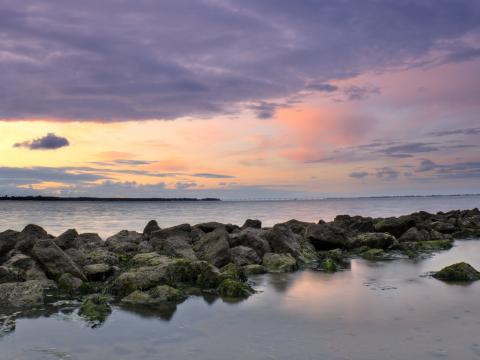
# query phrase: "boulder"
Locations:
[[141, 278], [326, 236], [254, 269], [394, 226], [279, 263], [356, 223], [414, 234], [243, 255], [283, 240], [444, 227], [298, 227], [54, 260], [200, 274], [372, 240], [26, 266], [69, 283], [176, 246], [210, 226], [98, 272], [159, 295], [7, 241], [462, 272], [233, 289], [28, 236], [151, 227], [8, 274], [252, 224], [250, 238], [23, 294], [67, 240], [214, 247], [89, 241], [125, 242], [179, 230], [95, 309], [149, 259]]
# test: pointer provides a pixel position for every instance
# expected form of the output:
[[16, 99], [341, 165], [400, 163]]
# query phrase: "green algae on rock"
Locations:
[[233, 289], [95, 309], [462, 272]]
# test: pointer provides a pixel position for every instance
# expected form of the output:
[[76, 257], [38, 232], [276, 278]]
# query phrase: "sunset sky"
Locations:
[[245, 99]]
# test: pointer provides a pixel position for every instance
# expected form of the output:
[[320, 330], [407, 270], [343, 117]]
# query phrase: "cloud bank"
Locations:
[[181, 58]]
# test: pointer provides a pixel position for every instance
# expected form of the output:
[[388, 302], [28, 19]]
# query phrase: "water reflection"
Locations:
[[374, 311]]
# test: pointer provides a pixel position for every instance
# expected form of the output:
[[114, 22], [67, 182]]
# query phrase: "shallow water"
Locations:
[[107, 218], [376, 310]]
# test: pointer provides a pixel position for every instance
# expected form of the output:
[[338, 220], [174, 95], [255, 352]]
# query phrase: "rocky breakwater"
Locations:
[[161, 267]]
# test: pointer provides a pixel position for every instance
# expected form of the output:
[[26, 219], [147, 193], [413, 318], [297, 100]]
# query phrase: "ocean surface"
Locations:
[[384, 310], [107, 218]]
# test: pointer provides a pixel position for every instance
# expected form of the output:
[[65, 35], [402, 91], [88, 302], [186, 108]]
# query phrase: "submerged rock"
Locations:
[[95, 309], [254, 269], [458, 272], [279, 263], [233, 289], [159, 295]]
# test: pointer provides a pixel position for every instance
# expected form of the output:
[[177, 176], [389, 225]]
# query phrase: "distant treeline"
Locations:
[[54, 198]]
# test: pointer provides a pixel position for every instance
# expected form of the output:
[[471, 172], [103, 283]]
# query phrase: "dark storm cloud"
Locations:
[[47, 142], [120, 60]]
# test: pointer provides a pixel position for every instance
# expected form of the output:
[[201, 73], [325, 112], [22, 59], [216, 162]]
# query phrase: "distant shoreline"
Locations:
[[54, 198]]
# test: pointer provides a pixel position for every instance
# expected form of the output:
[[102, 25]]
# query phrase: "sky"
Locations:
[[250, 99]]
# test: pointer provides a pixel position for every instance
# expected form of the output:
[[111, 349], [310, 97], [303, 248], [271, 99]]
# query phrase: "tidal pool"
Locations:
[[375, 310]]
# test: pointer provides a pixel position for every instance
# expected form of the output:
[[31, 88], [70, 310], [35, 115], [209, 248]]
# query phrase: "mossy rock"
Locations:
[[329, 265], [254, 269], [233, 289], [162, 294], [434, 245], [193, 273], [462, 272], [234, 272], [374, 254], [95, 309], [69, 284], [279, 263]]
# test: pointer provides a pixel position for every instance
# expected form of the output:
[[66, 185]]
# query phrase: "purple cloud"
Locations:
[[47, 142], [175, 58]]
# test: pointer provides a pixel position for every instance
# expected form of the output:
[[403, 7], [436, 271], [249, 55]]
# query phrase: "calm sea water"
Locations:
[[107, 218], [374, 311]]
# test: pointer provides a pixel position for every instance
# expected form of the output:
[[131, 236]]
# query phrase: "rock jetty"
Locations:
[[161, 267]]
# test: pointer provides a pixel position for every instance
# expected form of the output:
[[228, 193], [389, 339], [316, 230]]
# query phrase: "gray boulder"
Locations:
[[28, 236], [251, 238], [54, 260], [326, 236], [279, 263], [214, 247], [414, 234], [7, 241], [151, 227], [242, 255], [157, 296], [125, 242], [252, 224], [67, 240], [176, 246], [98, 272], [23, 294], [373, 240]]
